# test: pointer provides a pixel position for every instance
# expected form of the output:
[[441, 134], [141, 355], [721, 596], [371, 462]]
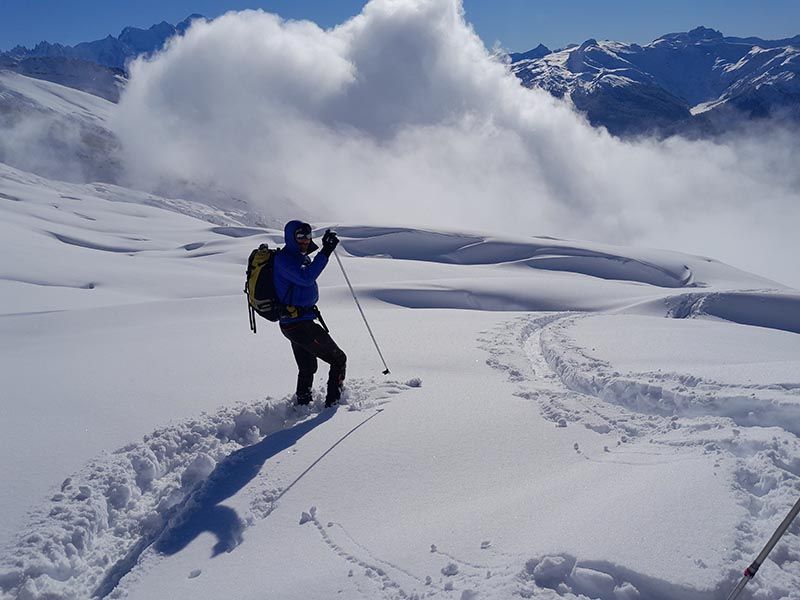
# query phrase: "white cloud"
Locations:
[[401, 115]]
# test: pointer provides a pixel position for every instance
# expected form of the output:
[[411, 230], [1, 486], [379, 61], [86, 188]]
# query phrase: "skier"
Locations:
[[296, 288]]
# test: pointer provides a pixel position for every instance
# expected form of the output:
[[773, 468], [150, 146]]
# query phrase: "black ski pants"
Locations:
[[309, 343]]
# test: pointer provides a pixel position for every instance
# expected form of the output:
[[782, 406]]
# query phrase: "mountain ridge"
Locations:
[[110, 51], [695, 82], [98, 67]]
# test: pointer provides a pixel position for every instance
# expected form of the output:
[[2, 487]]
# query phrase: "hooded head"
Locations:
[[290, 236]]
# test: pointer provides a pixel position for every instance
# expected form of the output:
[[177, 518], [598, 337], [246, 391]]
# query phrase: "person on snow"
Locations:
[[296, 288]]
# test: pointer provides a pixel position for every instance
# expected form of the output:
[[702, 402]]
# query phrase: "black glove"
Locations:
[[329, 242]]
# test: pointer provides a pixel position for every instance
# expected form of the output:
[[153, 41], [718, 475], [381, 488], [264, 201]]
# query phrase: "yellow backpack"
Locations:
[[260, 287]]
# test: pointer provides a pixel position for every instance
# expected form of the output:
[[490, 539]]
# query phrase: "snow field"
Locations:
[[602, 361], [548, 454], [465, 473]]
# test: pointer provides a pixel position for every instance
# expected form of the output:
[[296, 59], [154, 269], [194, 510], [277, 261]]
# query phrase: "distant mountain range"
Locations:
[[112, 52], [699, 82], [696, 83], [97, 67]]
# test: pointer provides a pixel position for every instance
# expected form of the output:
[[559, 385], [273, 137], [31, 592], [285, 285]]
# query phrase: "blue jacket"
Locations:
[[296, 277]]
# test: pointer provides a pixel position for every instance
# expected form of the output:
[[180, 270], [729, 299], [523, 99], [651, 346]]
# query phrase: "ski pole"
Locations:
[[358, 304], [750, 571]]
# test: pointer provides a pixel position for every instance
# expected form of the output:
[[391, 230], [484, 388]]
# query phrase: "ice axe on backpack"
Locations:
[[361, 310]]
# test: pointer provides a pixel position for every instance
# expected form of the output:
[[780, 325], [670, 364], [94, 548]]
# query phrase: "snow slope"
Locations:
[[55, 130], [545, 430]]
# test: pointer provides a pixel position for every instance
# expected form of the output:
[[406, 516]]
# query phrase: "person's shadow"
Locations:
[[201, 510]]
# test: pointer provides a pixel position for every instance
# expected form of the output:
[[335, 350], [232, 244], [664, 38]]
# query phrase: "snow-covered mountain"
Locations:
[[97, 67], [56, 131], [78, 74], [113, 52], [697, 82], [693, 81]]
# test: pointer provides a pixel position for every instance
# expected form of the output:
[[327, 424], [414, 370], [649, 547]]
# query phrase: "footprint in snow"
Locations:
[[450, 570], [308, 516]]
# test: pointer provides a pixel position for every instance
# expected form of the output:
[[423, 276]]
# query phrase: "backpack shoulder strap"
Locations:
[[250, 262]]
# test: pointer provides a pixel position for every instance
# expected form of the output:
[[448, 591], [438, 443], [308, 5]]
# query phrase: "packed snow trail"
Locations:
[[164, 490], [201, 510], [705, 368], [574, 387]]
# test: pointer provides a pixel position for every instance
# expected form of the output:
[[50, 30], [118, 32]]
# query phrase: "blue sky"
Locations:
[[516, 24]]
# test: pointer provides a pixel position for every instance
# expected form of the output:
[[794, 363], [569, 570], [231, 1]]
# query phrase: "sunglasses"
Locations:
[[303, 235]]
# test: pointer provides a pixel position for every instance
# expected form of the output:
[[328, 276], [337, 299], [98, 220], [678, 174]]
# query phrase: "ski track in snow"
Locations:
[[572, 389], [92, 533]]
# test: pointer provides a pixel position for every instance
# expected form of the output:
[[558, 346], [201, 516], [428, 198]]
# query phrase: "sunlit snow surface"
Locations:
[[546, 431]]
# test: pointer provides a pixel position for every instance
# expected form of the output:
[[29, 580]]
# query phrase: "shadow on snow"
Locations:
[[202, 510]]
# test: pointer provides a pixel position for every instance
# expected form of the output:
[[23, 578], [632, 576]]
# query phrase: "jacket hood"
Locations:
[[291, 243]]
